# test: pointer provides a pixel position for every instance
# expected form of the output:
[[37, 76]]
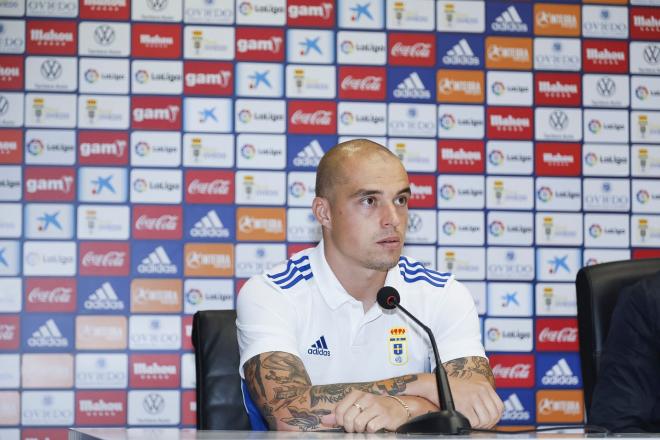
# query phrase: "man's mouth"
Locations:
[[389, 240]]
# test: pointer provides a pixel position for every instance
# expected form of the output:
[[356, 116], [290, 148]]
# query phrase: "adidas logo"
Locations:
[[104, 298], [209, 226], [157, 262], [319, 348], [310, 156], [48, 335], [461, 54], [560, 374], [412, 88], [514, 409], [509, 21]]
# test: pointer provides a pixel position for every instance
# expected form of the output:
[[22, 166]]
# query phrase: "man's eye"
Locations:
[[369, 201], [402, 201]]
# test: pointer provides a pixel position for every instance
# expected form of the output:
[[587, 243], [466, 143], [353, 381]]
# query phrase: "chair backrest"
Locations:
[[219, 394], [598, 289]]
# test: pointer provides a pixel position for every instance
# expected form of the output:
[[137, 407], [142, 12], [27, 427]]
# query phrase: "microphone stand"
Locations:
[[447, 420]]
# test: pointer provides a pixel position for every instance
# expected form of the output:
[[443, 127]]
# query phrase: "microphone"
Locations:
[[447, 420]]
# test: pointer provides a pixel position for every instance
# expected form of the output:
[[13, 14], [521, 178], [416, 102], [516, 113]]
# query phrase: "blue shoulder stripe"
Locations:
[[414, 271], [417, 264], [295, 271], [289, 265], [432, 282]]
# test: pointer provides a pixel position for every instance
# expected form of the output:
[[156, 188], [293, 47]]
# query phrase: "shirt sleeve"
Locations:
[[629, 378], [455, 324], [266, 321]]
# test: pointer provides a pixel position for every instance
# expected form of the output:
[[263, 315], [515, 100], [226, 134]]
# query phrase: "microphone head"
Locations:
[[388, 297]]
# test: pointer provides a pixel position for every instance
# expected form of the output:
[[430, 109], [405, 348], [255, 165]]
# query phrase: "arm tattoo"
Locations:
[[336, 392], [467, 367], [305, 419]]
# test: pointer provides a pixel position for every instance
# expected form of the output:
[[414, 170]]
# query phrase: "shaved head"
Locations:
[[334, 167]]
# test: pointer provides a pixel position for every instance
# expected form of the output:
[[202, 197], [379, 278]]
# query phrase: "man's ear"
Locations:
[[321, 210]]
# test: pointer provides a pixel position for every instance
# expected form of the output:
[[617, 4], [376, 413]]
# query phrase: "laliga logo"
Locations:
[[591, 159], [642, 93], [297, 189], [494, 334], [496, 157], [347, 47], [245, 116], [142, 76], [643, 196], [140, 185], [245, 8], [91, 76], [595, 230], [142, 149], [347, 118], [447, 192], [496, 228], [248, 151], [35, 147], [447, 121], [194, 297], [544, 194], [449, 228], [498, 88], [595, 126]]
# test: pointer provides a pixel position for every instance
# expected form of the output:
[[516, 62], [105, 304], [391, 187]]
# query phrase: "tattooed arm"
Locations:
[[281, 388], [473, 388]]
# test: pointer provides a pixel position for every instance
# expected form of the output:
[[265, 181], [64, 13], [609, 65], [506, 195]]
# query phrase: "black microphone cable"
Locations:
[[587, 429]]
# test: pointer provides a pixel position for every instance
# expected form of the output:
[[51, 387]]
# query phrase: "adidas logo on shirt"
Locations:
[[514, 409], [310, 156], [319, 348], [48, 335], [412, 88], [104, 298], [461, 54], [209, 226], [509, 21], [157, 262], [560, 374]]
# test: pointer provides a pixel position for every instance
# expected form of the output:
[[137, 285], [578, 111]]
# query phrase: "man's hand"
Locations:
[[365, 412], [473, 388]]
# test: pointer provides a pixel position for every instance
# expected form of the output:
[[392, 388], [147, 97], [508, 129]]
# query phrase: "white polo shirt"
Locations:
[[301, 308]]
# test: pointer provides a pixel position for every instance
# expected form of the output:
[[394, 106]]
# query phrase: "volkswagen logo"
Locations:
[[606, 86], [157, 5], [51, 69], [4, 105], [104, 35], [153, 403], [414, 222], [558, 120], [652, 54]]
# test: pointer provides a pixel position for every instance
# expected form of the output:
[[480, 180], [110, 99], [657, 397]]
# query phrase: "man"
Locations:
[[318, 352], [627, 394]]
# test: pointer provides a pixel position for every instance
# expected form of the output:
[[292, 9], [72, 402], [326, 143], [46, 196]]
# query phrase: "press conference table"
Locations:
[[191, 434]]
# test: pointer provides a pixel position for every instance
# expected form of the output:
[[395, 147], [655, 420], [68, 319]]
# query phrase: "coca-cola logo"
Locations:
[[416, 50], [566, 334], [58, 295], [108, 259], [319, 117], [164, 222], [369, 83], [215, 187], [516, 371]]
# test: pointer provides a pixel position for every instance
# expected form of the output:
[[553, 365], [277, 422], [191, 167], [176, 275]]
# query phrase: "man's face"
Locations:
[[369, 211]]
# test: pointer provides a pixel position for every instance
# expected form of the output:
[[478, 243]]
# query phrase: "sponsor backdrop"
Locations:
[[154, 154]]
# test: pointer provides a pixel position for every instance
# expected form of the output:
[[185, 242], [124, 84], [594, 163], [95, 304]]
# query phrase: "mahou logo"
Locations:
[[561, 89], [460, 156], [208, 78], [103, 147], [513, 371], [105, 9], [156, 113], [557, 159], [510, 123], [259, 44], [311, 13], [49, 184], [11, 146], [209, 186], [157, 222], [107, 259], [52, 37], [645, 23], [557, 335], [11, 72], [50, 295], [156, 40], [312, 117], [605, 56], [101, 408], [362, 83], [411, 49], [422, 187], [154, 371]]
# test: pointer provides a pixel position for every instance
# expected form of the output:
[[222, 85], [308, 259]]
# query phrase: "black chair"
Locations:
[[598, 289], [219, 395]]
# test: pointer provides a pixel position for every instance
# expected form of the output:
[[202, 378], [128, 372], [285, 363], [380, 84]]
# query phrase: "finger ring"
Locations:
[[358, 406]]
